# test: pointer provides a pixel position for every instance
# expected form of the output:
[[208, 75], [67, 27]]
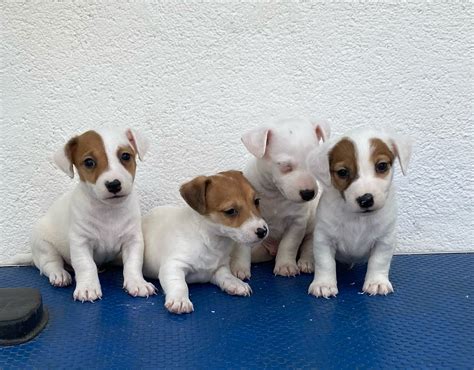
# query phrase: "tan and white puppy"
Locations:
[[193, 244], [98, 220], [288, 194], [357, 211]]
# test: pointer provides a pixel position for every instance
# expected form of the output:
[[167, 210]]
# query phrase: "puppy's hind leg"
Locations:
[[306, 259], [50, 263]]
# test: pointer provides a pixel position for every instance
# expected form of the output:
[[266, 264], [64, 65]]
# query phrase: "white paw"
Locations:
[[87, 291], [376, 286], [240, 271], [236, 287], [139, 288], [306, 265], [60, 278], [323, 288], [179, 305], [286, 268]]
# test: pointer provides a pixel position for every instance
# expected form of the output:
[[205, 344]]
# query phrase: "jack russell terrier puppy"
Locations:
[[193, 244], [357, 211], [99, 219], [288, 195]]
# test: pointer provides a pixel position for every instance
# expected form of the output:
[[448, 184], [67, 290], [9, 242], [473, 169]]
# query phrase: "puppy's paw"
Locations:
[[87, 291], [240, 271], [286, 269], [60, 278], [236, 287], [306, 266], [139, 288], [179, 305], [377, 286], [323, 288]]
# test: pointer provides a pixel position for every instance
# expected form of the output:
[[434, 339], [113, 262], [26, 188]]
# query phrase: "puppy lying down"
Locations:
[[193, 244]]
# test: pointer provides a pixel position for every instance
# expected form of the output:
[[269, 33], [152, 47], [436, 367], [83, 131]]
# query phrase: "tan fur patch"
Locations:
[[130, 165], [87, 145], [213, 195], [343, 156], [380, 152]]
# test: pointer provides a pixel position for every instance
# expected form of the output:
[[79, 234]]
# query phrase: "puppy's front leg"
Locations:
[[240, 261], [87, 279], [325, 281], [285, 261], [173, 281], [133, 281], [224, 279], [376, 278]]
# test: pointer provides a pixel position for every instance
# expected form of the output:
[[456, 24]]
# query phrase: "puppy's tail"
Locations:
[[20, 259]]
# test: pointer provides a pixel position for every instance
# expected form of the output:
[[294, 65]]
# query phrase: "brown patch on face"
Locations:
[[128, 161], [382, 157], [88, 146], [227, 198], [343, 157]]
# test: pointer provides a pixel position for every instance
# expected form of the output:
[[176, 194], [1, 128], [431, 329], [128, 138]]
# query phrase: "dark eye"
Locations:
[[231, 212], [89, 163], [257, 202], [125, 156], [343, 173], [381, 167]]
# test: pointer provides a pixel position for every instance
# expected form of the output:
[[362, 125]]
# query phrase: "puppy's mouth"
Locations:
[[116, 197]]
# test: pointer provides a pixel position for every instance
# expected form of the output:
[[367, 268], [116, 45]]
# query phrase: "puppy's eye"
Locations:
[[285, 167], [343, 173], [231, 212], [381, 167], [125, 157], [257, 202], [89, 163]]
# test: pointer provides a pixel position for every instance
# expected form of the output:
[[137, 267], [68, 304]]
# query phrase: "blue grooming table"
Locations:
[[428, 322]]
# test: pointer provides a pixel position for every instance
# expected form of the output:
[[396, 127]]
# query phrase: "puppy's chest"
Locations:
[[205, 263]]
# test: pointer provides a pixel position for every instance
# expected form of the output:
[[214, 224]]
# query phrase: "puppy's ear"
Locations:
[[63, 157], [402, 147], [318, 164], [256, 141], [138, 142], [322, 129], [194, 193]]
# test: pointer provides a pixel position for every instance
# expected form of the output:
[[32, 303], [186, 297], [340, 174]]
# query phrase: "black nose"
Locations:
[[307, 194], [261, 232], [366, 200], [113, 186]]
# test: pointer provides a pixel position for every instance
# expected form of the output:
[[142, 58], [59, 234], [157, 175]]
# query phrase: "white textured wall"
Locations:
[[195, 76]]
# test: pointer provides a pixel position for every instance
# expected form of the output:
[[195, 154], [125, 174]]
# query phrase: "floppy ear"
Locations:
[[318, 164], [322, 129], [256, 141], [194, 193], [402, 146], [63, 157], [138, 142]]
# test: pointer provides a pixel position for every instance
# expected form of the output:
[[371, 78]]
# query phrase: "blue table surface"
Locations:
[[428, 322]]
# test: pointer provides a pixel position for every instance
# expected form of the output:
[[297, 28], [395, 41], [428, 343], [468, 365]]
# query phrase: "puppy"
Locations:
[[193, 244], [288, 195], [99, 219], [357, 210]]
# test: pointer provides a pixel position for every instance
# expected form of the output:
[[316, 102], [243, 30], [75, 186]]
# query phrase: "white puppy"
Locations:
[[193, 244], [288, 194], [99, 219], [357, 210]]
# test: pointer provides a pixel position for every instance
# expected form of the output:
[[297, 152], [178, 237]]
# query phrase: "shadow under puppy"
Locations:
[[99, 219], [357, 211], [193, 244]]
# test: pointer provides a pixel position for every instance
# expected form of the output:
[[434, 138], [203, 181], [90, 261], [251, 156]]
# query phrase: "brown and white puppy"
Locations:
[[357, 211], [193, 244], [97, 221]]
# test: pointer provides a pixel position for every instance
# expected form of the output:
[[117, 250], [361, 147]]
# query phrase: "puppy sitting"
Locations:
[[99, 219], [193, 244], [357, 210], [288, 193]]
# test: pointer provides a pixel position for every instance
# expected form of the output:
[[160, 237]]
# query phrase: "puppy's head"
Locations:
[[229, 203], [105, 161], [360, 167], [282, 150]]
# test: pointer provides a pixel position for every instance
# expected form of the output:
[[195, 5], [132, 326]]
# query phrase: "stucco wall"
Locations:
[[195, 76]]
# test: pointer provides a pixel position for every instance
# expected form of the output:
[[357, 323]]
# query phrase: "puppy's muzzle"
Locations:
[[261, 232], [113, 186], [366, 201], [307, 194]]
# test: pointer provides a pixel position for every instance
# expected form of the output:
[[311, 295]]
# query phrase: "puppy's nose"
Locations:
[[366, 200], [261, 232], [307, 194], [113, 186]]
